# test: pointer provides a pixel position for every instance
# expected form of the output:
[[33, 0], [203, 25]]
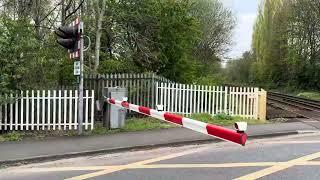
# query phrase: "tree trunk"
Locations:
[[37, 18], [98, 35], [63, 12]]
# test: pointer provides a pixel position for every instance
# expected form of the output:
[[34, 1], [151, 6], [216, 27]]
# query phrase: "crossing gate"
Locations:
[[246, 102], [238, 137]]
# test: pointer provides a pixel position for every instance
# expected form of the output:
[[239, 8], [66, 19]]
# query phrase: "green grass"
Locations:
[[132, 124], [135, 124], [224, 119], [310, 95], [11, 136], [20, 135], [98, 130], [2, 139]]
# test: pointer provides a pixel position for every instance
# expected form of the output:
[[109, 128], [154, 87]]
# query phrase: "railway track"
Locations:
[[298, 102], [301, 107]]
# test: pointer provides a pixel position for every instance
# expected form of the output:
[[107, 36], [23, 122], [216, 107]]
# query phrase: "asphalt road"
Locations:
[[291, 157]]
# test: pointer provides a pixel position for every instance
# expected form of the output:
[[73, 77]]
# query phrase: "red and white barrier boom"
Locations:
[[239, 137]]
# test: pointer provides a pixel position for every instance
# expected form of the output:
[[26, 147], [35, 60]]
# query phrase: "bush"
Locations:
[[116, 66]]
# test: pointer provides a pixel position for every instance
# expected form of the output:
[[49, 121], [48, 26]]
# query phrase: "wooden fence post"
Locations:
[[256, 103], [262, 111]]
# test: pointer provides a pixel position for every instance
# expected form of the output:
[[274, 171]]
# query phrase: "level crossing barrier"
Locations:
[[223, 133]]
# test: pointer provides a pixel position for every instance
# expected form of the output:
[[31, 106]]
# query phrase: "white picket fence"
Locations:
[[189, 99], [46, 110]]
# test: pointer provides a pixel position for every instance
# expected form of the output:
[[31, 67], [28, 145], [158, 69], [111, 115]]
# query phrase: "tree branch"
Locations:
[[68, 5], [3, 5], [50, 12], [74, 11]]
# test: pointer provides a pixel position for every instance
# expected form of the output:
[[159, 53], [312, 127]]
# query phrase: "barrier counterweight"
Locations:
[[205, 128]]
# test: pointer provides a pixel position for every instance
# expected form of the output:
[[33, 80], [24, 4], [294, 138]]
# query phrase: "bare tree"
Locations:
[[101, 12]]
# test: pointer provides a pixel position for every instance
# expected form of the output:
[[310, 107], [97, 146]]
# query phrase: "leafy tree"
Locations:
[[17, 44], [238, 71], [155, 35], [285, 44], [181, 40], [216, 26]]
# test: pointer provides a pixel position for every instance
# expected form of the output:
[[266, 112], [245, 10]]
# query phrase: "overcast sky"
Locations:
[[246, 13]]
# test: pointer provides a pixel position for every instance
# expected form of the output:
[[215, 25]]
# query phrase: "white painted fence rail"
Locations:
[[46, 110], [189, 99]]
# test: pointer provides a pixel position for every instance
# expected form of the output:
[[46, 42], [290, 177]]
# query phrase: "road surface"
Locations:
[[291, 157]]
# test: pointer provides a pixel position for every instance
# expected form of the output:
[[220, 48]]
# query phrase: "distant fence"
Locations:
[[185, 99], [58, 109], [141, 87], [150, 90], [46, 110]]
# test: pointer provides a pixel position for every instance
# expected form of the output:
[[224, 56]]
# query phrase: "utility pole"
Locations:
[[80, 115]]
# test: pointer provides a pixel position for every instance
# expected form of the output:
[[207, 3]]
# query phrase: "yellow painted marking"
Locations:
[[292, 142], [279, 167], [311, 121], [145, 164], [309, 163], [148, 161], [276, 166], [151, 166], [119, 168], [168, 166], [98, 173], [226, 165]]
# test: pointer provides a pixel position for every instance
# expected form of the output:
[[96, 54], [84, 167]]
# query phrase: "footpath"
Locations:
[[65, 147]]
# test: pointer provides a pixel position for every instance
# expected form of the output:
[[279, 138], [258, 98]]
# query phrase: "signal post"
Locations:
[[71, 38]]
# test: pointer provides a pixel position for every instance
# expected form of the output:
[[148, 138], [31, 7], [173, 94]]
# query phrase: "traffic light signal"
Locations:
[[69, 38]]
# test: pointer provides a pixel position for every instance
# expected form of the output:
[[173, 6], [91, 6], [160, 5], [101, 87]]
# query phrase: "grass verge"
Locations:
[[132, 124], [11, 136], [314, 95], [224, 119], [310, 95]]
